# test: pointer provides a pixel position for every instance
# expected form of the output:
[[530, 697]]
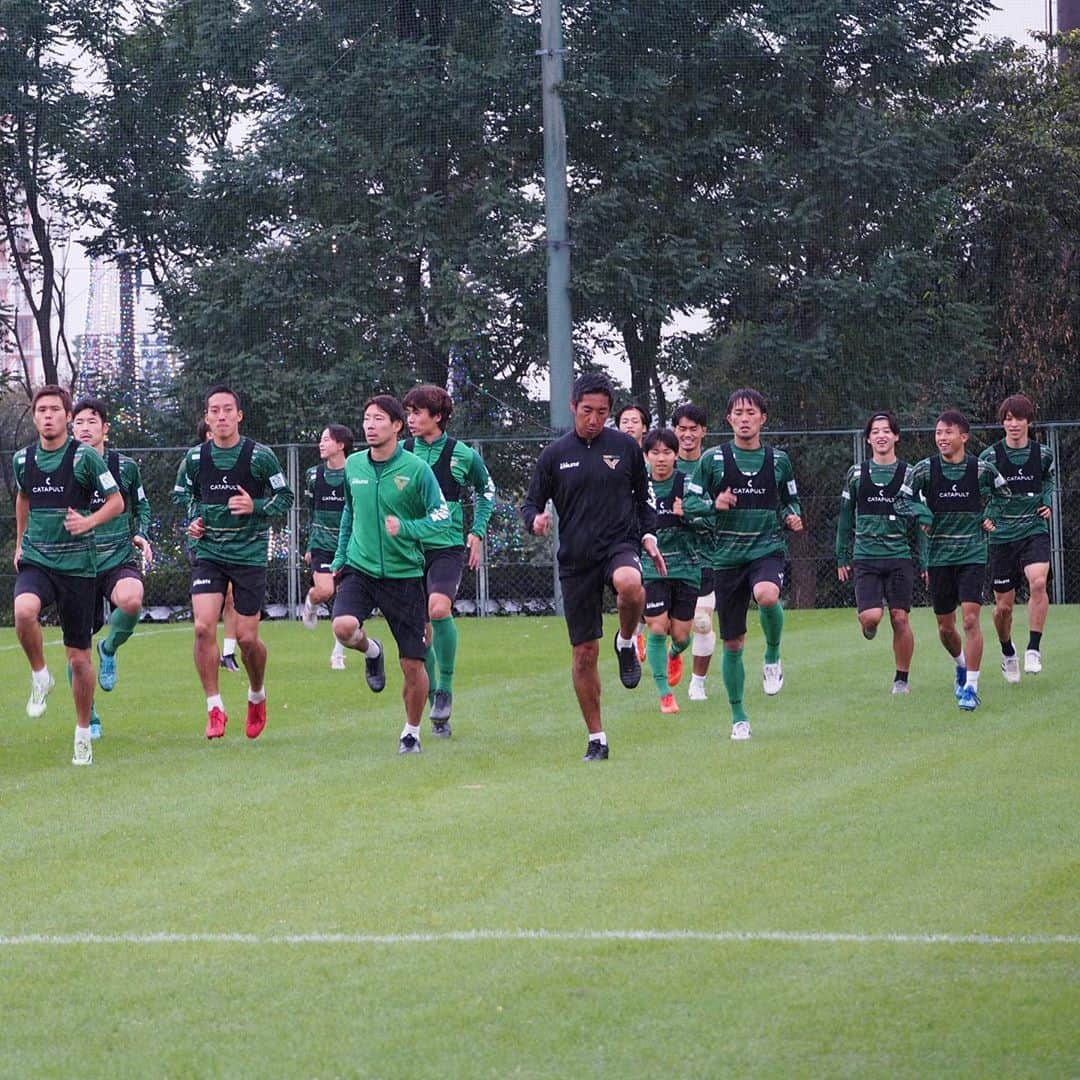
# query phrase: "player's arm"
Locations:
[[140, 511], [279, 502], [845, 527], [911, 500], [995, 494], [93, 474], [1046, 509], [790, 509], [484, 489], [22, 519], [644, 505], [541, 489], [436, 517]]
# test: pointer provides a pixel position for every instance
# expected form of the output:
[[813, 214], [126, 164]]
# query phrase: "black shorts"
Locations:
[[1007, 561], [443, 568], [105, 583], [677, 598], [321, 560], [73, 597], [248, 583], [735, 588], [708, 581], [583, 593], [401, 600], [953, 585], [890, 579]]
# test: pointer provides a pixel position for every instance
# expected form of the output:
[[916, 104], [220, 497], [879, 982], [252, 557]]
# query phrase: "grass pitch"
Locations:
[[873, 886]]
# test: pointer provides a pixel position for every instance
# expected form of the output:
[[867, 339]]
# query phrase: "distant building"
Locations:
[[18, 332]]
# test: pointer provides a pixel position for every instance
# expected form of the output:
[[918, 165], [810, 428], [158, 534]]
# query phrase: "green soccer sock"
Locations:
[[772, 623], [444, 645], [679, 647], [734, 680], [121, 627], [656, 654], [429, 667]]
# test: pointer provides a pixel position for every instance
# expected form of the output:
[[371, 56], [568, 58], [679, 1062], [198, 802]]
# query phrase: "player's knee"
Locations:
[[1037, 584], [971, 622], [899, 618], [704, 644], [439, 606], [766, 594], [344, 627], [702, 621]]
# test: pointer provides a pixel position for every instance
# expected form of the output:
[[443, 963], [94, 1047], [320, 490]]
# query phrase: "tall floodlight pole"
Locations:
[[556, 204]]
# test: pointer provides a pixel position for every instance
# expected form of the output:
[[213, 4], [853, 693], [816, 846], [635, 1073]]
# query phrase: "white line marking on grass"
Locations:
[[719, 937]]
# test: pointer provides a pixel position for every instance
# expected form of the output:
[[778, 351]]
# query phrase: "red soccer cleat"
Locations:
[[674, 670], [668, 704], [256, 718], [215, 723]]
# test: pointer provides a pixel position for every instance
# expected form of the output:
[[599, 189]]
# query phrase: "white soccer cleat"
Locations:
[[1032, 662], [36, 706], [772, 678], [696, 692], [740, 731], [1010, 668], [309, 616], [337, 661], [900, 686], [84, 753]]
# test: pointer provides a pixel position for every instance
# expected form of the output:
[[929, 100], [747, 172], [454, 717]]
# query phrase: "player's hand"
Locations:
[[542, 524], [676, 507], [843, 572], [18, 556], [144, 547], [988, 525], [241, 504], [393, 525], [794, 522], [196, 528], [1045, 512], [307, 557], [75, 523], [725, 499], [925, 575], [476, 550], [654, 553]]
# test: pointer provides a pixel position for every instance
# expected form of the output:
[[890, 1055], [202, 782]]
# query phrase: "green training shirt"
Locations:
[[957, 538], [325, 524], [875, 536], [46, 542], [403, 486], [678, 541], [242, 539], [1017, 516], [739, 536], [113, 539], [467, 469]]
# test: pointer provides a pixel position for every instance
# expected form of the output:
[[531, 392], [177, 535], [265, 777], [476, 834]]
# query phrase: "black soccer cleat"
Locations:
[[408, 744], [596, 751], [629, 665], [440, 708], [228, 662], [375, 670], [441, 730]]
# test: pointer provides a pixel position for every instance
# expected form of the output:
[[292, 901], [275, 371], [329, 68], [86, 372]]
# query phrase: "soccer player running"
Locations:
[[324, 485], [751, 485], [691, 424], [877, 548], [393, 507], [233, 487], [56, 477], [122, 545], [1020, 543], [670, 599], [634, 420], [595, 476], [953, 497], [428, 410]]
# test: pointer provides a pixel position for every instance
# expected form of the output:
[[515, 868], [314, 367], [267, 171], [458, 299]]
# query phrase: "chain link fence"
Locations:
[[517, 575]]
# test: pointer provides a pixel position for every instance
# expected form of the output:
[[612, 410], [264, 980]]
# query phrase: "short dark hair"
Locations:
[[592, 382], [202, 432], [745, 393], [92, 404], [894, 424], [954, 418], [52, 390], [341, 434], [433, 398], [646, 416], [662, 435], [221, 388], [689, 411], [388, 404], [1019, 405]]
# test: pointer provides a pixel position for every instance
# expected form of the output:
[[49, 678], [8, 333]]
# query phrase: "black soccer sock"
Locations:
[[901, 676], [1008, 648], [1035, 639]]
